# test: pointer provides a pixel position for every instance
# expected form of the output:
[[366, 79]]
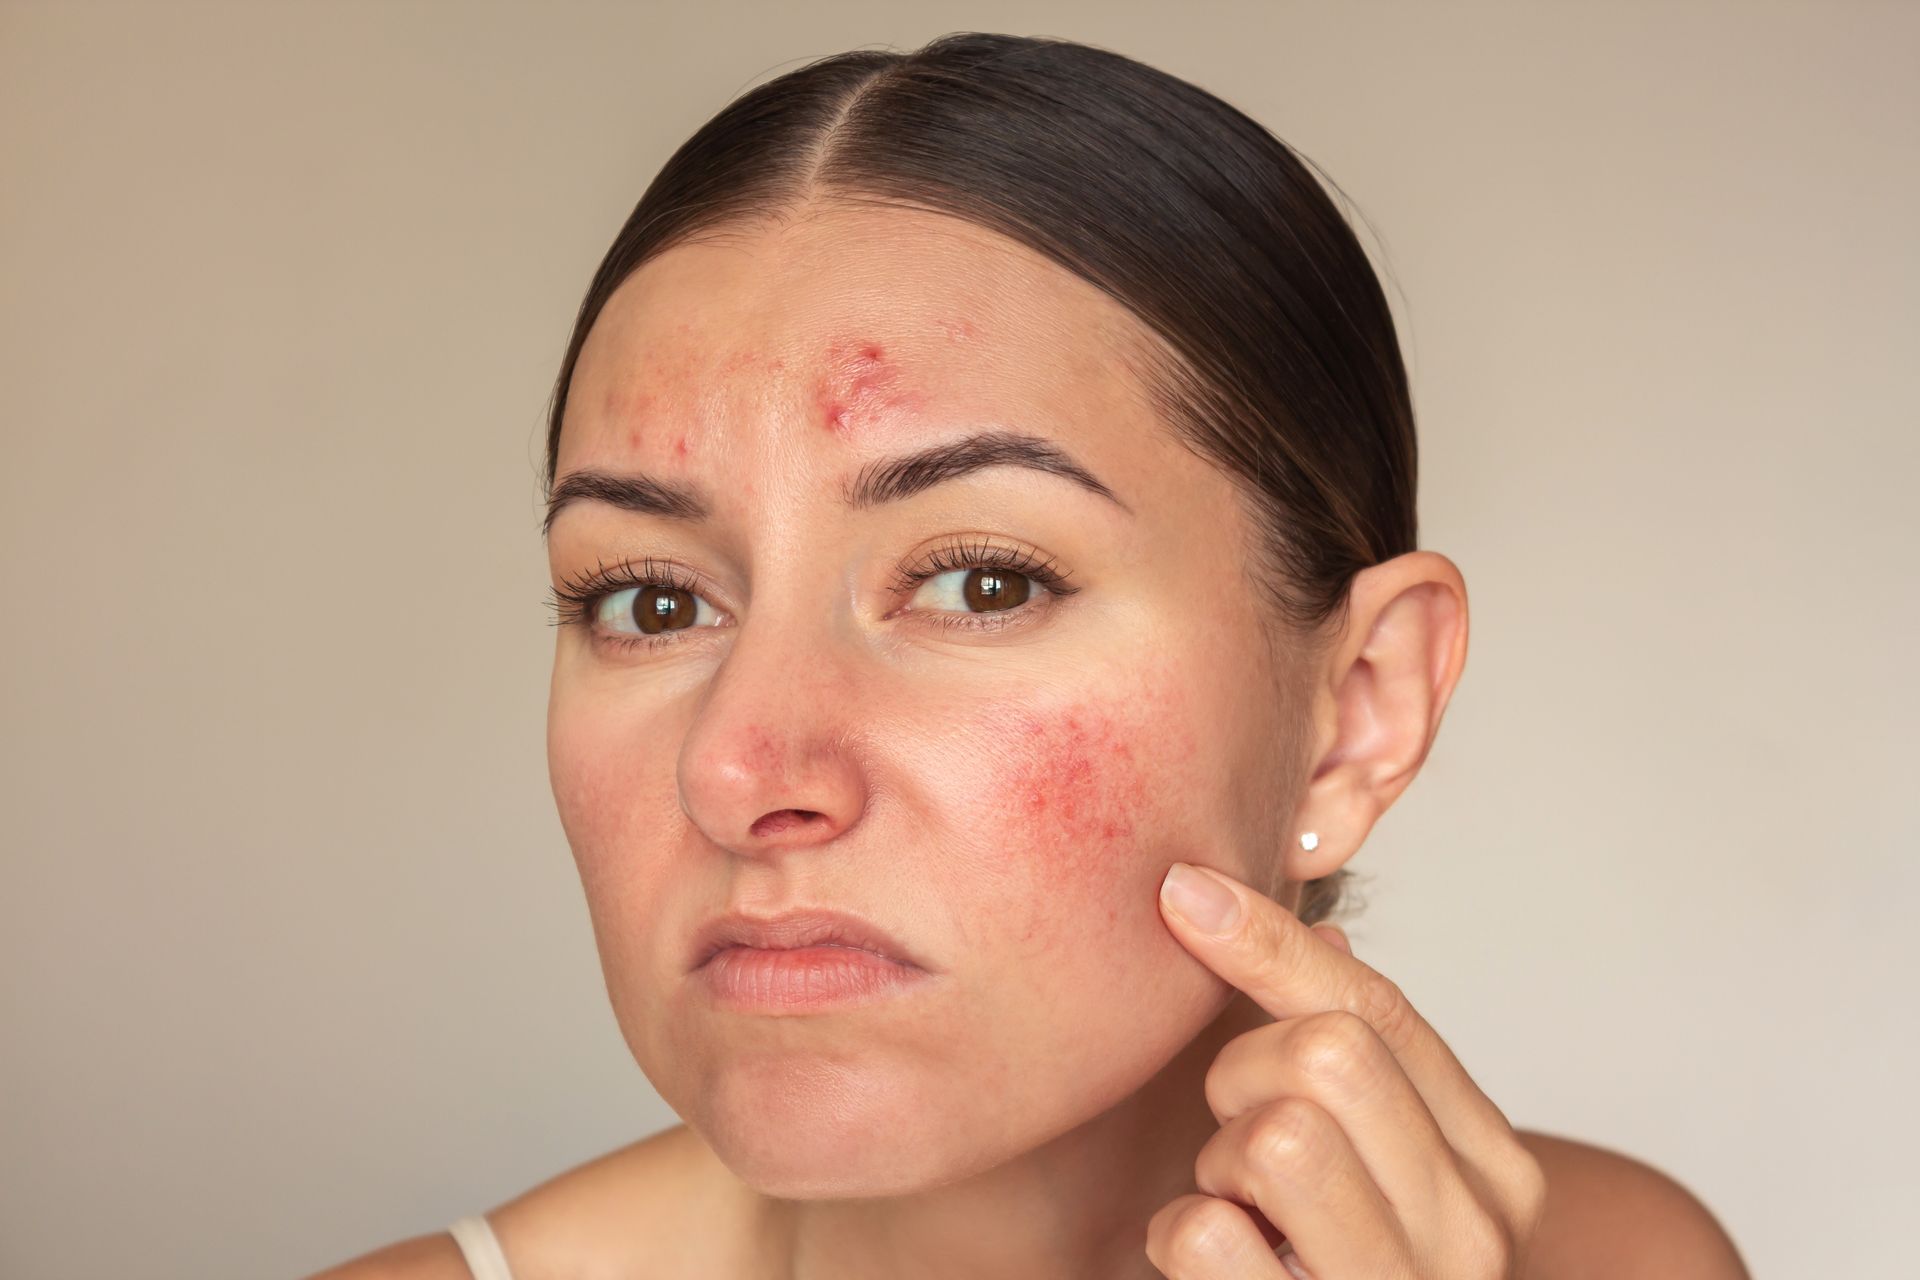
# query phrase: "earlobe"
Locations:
[[1307, 862], [1340, 824]]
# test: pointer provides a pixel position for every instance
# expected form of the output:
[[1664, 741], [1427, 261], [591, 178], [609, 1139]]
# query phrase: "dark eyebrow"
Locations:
[[887, 480]]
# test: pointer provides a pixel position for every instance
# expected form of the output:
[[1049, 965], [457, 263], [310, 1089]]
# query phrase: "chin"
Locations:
[[799, 1129]]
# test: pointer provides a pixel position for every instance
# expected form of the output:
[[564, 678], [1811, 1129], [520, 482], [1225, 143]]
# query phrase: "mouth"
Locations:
[[796, 929]]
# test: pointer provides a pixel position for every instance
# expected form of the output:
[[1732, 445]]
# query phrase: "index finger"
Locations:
[[1288, 970]]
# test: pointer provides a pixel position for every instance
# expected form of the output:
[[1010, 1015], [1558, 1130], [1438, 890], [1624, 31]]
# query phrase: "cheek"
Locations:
[[1092, 795], [1079, 787], [609, 785]]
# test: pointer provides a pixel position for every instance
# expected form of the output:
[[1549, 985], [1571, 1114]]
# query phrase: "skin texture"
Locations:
[[1004, 801]]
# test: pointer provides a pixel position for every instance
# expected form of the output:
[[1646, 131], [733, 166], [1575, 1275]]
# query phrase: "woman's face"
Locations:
[[999, 786]]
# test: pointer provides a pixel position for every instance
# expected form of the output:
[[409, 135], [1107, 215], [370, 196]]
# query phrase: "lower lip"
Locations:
[[803, 979]]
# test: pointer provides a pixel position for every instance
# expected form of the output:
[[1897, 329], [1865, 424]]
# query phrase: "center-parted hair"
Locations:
[[1268, 344]]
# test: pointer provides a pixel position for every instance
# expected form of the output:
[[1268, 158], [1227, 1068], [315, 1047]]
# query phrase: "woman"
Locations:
[[982, 482]]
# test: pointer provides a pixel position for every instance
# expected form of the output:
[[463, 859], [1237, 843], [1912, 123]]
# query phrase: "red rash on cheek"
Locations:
[[1078, 782], [1078, 787], [1086, 798], [860, 388]]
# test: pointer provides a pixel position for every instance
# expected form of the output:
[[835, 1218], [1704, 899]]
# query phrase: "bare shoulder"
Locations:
[[1609, 1215], [636, 1212], [621, 1213], [425, 1257]]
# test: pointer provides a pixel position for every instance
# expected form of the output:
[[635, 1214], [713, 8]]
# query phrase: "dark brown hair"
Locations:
[[1269, 345]]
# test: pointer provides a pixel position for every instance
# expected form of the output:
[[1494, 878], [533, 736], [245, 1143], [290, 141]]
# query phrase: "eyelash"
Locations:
[[577, 599]]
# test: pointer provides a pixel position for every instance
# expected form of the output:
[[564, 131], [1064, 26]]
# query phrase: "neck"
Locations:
[[1076, 1206]]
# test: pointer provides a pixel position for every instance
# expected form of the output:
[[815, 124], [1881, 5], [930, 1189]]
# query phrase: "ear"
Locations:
[[1377, 700]]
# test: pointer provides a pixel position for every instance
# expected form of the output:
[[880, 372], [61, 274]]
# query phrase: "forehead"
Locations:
[[849, 331]]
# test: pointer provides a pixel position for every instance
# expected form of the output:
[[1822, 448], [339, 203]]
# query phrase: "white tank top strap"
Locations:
[[480, 1247]]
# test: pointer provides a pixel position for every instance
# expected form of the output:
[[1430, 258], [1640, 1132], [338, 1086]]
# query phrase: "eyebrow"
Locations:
[[882, 481]]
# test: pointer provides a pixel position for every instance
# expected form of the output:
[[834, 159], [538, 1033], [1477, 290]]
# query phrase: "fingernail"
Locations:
[[1207, 904]]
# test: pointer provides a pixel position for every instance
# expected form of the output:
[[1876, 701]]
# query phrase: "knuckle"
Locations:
[[1381, 1003], [1205, 1231], [1241, 1059], [1485, 1248], [1218, 1085], [1219, 1091], [1529, 1181], [1285, 1137], [1337, 1047]]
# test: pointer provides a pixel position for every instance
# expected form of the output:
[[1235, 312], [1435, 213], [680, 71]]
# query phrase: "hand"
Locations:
[[1347, 1123]]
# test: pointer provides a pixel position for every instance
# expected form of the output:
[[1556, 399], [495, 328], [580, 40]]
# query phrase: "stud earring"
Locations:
[[1310, 841]]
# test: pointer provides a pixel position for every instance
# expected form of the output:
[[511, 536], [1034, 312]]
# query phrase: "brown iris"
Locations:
[[660, 608], [991, 589]]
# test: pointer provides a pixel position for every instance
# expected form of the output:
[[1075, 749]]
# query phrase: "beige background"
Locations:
[[295, 962]]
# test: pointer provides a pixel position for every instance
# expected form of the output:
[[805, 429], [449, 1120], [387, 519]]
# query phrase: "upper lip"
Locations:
[[798, 927]]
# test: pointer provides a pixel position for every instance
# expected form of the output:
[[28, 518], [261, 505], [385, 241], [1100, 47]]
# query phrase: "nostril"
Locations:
[[781, 820]]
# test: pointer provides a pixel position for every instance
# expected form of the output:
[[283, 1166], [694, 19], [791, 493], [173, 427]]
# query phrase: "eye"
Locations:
[[650, 604], [982, 585], [651, 608], [981, 590], [975, 585]]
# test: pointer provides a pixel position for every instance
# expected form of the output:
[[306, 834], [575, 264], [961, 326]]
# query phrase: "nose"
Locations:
[[772, 760]]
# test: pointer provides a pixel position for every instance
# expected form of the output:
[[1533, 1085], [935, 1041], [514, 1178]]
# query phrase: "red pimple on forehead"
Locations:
[[861, 387], [638, 403], [641, 406]]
